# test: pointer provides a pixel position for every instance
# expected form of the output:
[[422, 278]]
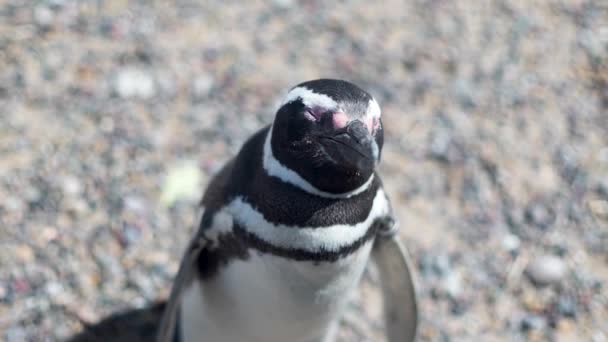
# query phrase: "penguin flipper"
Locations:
[[398, 290], [185, 275], [214, 198]]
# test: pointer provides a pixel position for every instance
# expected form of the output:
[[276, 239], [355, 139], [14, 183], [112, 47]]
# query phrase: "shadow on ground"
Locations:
[[128, 326]]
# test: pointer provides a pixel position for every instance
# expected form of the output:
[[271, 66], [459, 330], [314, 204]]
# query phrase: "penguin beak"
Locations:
[[359, 133], [360, 139], [352, 145]]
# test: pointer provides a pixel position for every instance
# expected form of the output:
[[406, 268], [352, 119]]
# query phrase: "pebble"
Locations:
[[599, 336], [48, 234], [458, 307], [533, 322], [182, 183], [546, 270], [532, 300], [12, 203], [566, 328], [452, 284], [441, 265], [434, 265], [440, 146], [32, 194], [465, 92], [3, 292], [590, 41], [166, 84], [135, 204], [43, 16], [15, 334], [566, 306], [25, 253], [599, 208], [71, 185], [201, 86], [539, 214], [602, 188], [129, 235], [134, 83], [21, 285], [511, 243], [568, 161], [54, 289], [284, 3]]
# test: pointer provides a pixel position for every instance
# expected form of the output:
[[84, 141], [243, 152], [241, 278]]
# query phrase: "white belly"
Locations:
[[271, 299]]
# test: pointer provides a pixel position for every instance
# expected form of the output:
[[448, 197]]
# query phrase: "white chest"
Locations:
[[269, 298]]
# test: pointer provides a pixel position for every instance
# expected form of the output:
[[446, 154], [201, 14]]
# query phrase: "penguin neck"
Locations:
[[273, 167]]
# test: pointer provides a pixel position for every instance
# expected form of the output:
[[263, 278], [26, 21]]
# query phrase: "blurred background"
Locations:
[[114, 114]]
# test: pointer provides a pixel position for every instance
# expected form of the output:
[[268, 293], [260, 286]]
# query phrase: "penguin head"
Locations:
[[329, 132]]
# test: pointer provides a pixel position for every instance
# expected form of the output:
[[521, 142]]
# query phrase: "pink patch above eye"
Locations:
[[339, 119]]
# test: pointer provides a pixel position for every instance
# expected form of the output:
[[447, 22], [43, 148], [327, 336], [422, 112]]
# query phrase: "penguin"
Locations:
[[288, 228]]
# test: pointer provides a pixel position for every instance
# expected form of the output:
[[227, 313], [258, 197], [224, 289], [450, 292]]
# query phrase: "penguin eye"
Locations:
[[313, 114]]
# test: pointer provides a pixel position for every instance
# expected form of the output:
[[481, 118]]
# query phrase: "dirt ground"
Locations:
[[114, 114]]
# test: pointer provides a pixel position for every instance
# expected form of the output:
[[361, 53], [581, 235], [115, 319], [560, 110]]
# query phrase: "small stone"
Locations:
[[440, 145], [446, 147], [183, 183], [590, 41], [15, 334], [71, 186], [54, 289], [106, 124], [3, 292], [13, 203], [201, 86], [21, 285], [560, 249], [134, 83], [566, 306], [533, 322], [540, 215], [546, 270], [166, 84], [43, 16], [532, 301], [32, 194], [452, 285], [599, 208], [602, 188], [129, 235], [57, 4], [458, 307], [135, 204], [77, 206], [511, 243], [465, 93], [441, 265], [25, 253], [566, 329], [48, 234], [599, 336]]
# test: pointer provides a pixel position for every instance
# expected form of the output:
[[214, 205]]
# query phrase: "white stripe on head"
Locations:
[[273, 167], [373, 109], [310, 98], [310, 239]]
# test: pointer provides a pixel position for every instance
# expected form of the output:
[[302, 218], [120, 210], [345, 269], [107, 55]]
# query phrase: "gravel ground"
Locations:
[[113, 115]]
